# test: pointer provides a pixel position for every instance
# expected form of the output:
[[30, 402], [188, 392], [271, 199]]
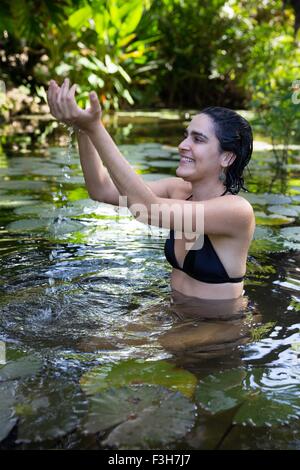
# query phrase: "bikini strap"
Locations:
[[220, 196]]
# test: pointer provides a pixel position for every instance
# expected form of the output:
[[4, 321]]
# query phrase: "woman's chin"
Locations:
[[183, 172]]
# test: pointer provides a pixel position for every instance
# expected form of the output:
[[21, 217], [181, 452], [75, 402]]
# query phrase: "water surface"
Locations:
[[84, 285]]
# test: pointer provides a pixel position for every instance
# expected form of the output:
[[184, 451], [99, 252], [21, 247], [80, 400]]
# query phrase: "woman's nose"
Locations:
[[184, 144]]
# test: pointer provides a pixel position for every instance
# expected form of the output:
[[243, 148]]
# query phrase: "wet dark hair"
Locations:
[[234, 134]]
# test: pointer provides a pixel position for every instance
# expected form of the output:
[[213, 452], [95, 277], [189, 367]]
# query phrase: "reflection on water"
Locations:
[[81, 285], [207, 329]]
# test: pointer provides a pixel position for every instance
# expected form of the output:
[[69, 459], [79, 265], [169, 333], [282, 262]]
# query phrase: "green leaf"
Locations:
[[124, 74], [259, 410], [87, 63], [291, 211], [263, 397], [96, 81], [124, 41], [143, 416], [132, 19], [101, 24], [20, 368], [291, 233], [128, 97], [111, 67], [214, 392], [264, 219], [7, 416], [80, 17], [48, 409], [259, 332], [114, 13], [132, 372]]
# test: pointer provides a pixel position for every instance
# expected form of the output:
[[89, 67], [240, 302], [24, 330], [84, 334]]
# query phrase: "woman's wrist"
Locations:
[[94, 129]]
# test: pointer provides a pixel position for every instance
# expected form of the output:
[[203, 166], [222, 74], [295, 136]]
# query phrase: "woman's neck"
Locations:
[[203, 192]]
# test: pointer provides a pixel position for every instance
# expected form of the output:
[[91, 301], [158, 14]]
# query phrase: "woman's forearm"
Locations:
[[95, 174], [123, 175]]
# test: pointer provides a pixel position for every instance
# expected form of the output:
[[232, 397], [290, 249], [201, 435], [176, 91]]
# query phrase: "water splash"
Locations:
[[60, 198]]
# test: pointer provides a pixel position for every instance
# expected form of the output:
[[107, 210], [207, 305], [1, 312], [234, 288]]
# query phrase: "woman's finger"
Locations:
[[56, 108], [71, 97], [70, 100], [95, 105], [72, 91], [59, 96], [51, 99], [64, 89]]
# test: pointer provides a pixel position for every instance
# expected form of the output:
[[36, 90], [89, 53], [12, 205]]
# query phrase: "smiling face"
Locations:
[[200, 155]]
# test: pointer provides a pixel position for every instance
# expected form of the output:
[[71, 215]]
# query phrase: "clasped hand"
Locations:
[[64, 108]]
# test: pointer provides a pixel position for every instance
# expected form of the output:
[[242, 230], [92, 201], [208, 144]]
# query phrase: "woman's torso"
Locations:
[[232, 253]]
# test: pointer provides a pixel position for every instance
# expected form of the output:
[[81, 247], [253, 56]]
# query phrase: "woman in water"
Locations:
[[201, 200]]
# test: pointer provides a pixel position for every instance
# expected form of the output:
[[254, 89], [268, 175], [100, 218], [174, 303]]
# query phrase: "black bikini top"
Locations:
[[203, 264]]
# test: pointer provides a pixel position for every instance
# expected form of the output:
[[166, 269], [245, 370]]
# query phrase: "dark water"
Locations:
[[83, 284]]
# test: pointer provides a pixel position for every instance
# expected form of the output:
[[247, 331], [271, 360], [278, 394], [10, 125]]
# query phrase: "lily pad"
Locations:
[[11, 203], [48, 409], [40, 209], [143, 416], [23, 185], [264, 219], [260, 398], [291, 237], [20, 368], [65, 226], [213, 392], [266, 198], [259, 410], [259, 199], [7, 416], [291, 211], [170, 163], [133, 372], [155, 152], [28, 225], [291, 233]]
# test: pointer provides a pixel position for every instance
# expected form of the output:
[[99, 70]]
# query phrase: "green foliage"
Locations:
[[272, 76], [108, 51], [260, 332]]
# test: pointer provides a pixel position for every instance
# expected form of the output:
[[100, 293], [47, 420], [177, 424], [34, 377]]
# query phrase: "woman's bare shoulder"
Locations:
[[178, 188]]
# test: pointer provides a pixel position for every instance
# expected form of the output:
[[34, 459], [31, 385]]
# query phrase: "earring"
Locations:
[[222, 175]]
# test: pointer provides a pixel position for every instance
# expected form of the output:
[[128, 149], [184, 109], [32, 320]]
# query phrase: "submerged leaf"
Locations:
[[7, 416], [48, 409], [142, 416], [20, 368], [261, 395], [214, 391], [259, 410], [133, 372]]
